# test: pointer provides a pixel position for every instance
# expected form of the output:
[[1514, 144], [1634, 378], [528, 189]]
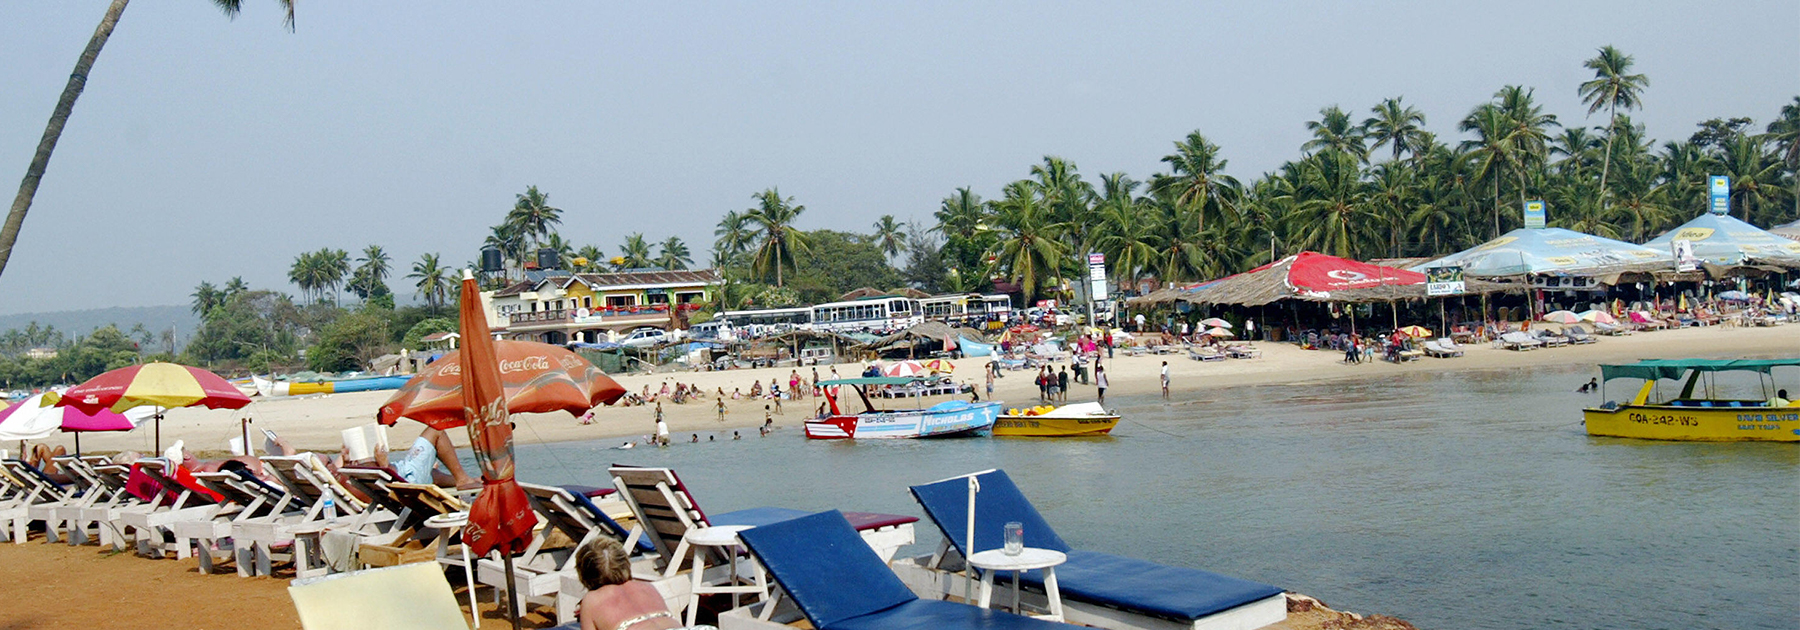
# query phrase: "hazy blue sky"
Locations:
[[206, 148]]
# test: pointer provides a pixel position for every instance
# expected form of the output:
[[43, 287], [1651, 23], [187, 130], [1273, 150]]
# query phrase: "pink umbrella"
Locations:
[[38, 416], [1561, 317], [1599, 317]]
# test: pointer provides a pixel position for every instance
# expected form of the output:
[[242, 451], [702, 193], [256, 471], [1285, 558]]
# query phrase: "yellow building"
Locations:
[[588, 306]]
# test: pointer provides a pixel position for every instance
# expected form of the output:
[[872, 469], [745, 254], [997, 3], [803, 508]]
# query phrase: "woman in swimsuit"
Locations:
[[615, 601]]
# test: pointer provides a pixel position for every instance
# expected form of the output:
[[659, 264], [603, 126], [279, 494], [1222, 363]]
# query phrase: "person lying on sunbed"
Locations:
[[615, 601], [42, 458], [420, 464]]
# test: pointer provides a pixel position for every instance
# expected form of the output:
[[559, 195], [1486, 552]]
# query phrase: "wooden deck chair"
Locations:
[[664, 510], [416, 541], [104, 515], [406, 597], [102, 491], [322, 504]]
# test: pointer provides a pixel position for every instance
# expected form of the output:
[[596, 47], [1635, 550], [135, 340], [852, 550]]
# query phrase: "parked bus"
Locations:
[[754, 324], [878, 314]]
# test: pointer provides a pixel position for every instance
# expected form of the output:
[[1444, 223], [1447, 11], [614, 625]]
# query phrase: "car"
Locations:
[[648, 337]]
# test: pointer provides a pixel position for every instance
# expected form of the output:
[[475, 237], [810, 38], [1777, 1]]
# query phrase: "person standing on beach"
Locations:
[[990, 384], [768, 418], [721, 410], [1165, 380], [1062, 385], [1100, 382], [1109, 347]]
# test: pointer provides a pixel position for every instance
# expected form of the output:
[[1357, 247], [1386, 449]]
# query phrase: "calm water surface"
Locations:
[[1464, 500]]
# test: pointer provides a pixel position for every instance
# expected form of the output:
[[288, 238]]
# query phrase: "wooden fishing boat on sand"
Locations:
[[1079, 419], [1696, 411]]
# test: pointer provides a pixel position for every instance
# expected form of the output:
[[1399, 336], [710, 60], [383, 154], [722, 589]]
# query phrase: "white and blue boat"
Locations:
[[954, 418]]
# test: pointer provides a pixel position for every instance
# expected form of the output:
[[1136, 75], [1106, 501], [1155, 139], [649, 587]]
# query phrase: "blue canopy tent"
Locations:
[[1722, 240], [1552, 251]]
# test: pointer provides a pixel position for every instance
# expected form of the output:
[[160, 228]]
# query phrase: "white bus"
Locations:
[[966, 308], [877, 314]]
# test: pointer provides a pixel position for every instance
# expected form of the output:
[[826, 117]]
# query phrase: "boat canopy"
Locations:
[[877, 380], [1652, 369]]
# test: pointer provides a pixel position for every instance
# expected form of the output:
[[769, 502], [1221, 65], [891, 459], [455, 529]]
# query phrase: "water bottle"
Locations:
[[329, 511]]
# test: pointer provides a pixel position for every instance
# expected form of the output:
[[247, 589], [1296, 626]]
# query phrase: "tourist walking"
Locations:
[[1100, 382], [1165, 380]]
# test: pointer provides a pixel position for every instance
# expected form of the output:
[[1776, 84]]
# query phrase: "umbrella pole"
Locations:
[[512, 591], [159, 429], [78, 444]]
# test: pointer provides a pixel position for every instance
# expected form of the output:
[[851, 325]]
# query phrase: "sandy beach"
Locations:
[[315, 422]]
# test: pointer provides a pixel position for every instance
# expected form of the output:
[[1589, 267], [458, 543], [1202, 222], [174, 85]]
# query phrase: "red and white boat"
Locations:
[[954, 418]]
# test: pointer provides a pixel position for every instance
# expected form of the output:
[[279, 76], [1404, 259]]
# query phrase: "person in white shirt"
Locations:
[[1165, 380]]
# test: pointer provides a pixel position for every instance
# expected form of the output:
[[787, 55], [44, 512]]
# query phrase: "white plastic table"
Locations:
[[448, 523], [726, 537], [1028, 558]]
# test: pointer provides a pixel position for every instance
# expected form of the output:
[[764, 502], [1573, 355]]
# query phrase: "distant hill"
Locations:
[[155, 318]]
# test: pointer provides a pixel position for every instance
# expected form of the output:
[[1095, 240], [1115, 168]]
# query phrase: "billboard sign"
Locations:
[[1719, 189], [1684, 255], [1534, 214], [1444, 281], [1097, 277]]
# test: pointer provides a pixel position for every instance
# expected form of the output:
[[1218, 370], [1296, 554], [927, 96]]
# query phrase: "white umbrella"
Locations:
[[1215, 322], [1561, 317]]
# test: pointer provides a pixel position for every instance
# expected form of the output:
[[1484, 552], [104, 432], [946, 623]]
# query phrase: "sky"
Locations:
[[206, 148]]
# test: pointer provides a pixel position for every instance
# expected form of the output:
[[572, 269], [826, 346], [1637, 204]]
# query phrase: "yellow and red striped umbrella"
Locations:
[[165, 385], [160, 385]]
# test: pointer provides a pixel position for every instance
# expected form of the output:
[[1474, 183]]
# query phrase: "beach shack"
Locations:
[[593, 307]]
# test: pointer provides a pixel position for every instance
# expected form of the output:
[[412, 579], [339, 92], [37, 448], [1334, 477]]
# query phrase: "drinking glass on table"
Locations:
[[1015, 538]]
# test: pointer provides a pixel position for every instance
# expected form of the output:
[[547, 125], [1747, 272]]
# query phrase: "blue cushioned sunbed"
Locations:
[[840, 584], [1129, 584]]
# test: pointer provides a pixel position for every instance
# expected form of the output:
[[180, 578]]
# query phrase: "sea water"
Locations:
[[1452, 500]]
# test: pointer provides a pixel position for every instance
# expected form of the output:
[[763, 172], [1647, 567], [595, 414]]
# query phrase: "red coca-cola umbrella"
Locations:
[[478, 387], [537, 378]]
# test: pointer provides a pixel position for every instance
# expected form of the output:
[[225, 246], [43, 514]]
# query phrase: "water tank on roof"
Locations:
[[492, 260], [547, 259]]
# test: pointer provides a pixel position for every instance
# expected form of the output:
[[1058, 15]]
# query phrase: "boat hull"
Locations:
[[1702, 424], [1038, 426], [973, 419]]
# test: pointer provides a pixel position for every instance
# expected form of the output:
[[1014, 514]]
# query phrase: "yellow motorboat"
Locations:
[[1079, 419], [1693, 412]]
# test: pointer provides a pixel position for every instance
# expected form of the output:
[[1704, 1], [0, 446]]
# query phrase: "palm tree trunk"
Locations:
[[53, 131], [1606, 162]]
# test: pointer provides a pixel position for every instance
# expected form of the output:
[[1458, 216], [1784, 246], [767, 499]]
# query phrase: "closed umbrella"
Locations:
[[158, 385], [1561, 317]]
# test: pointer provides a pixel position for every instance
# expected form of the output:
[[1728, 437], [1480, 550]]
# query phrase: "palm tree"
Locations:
[[1784, 132], [334, 265], [888, 235], [236, 287], [1333, 131], [1395, 125], [733, 235], [375, 260], [961, 215], [307, 273], [635, 252], [206, 298], [1754, 173], [433, 280], [533, 217], [1197, 179], [1611, 88], [1527, 131], [59, 117], [589, 258], [1124, 231], [1490, 150], [776, 216], [1030, 244], [1330, 211], [675, 254]]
